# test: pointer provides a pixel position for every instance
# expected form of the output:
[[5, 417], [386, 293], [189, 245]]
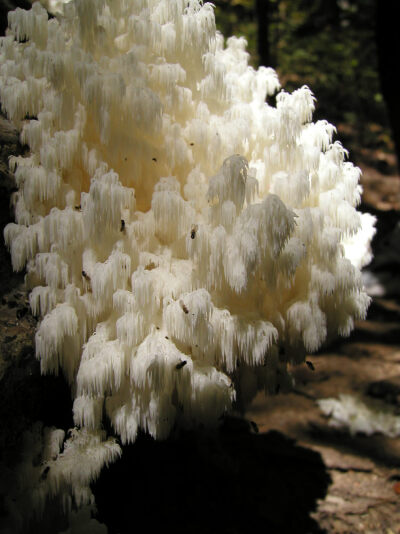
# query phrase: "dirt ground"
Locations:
[[283, 468]]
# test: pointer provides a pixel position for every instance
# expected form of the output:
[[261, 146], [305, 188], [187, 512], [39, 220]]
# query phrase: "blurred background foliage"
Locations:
[[329, 45]]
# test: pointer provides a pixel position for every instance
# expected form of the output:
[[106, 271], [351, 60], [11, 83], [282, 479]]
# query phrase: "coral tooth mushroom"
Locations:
[[167, 213]]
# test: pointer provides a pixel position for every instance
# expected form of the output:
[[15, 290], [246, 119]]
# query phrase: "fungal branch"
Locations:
[[183, 239]]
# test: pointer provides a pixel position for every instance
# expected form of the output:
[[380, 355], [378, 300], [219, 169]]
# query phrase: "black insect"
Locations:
[[78, 207], [181, 364], [193, 231], [45, 472], [122, 225], [254, 426], [86, 276], [166, 337], [191, 144], [310, 365], [183, 306], [154, 159]]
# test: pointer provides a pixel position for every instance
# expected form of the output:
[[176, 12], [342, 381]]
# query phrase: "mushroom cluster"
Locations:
[[184, 239]]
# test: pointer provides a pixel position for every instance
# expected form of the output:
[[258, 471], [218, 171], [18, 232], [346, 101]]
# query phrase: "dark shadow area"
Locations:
[[387, 390], [387, 333], [377, 447], [232, 481], [27, 395], [385, 265], [373, 331], [385, 225]]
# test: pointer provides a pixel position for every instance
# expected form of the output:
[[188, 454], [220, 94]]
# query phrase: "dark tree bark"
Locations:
[[388, 49], [263, 48]]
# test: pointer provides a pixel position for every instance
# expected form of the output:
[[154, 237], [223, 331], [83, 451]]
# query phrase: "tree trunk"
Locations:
[[388, 47], [263, 48]]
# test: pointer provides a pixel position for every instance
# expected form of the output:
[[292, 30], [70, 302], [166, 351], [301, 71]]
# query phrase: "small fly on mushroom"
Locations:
[[183, 306], [193, 231], [45, 471], [87, 279]]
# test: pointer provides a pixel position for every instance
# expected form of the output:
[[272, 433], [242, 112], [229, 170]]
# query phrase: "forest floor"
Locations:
[[291, 471]]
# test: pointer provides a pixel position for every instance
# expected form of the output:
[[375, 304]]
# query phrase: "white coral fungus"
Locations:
[[173, 223], [354, 414]]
